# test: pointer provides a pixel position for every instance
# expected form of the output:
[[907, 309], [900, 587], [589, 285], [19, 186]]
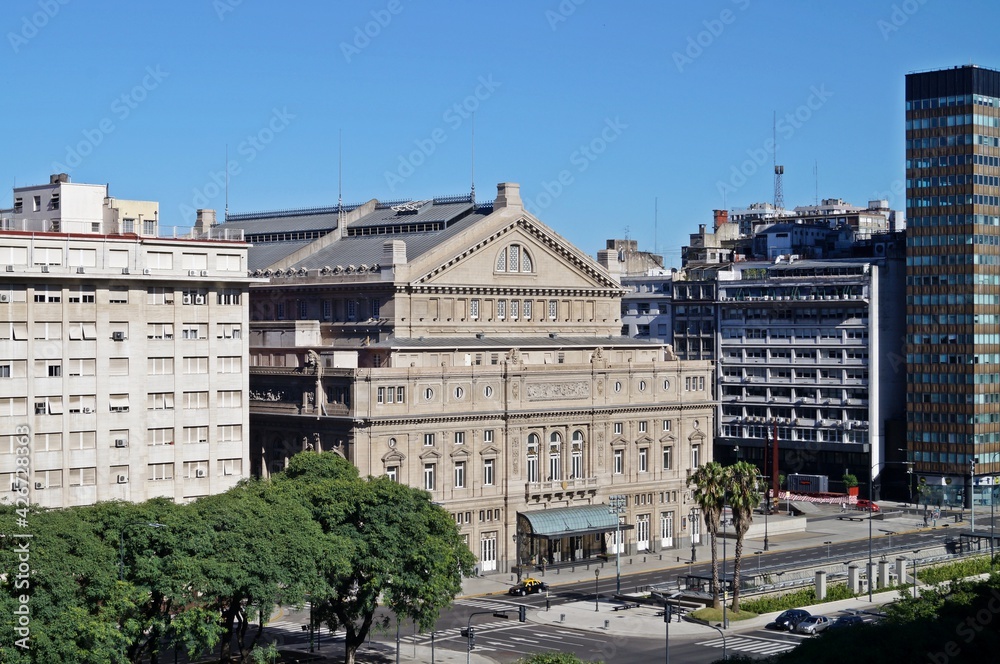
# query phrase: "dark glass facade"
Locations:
[[953, 278]]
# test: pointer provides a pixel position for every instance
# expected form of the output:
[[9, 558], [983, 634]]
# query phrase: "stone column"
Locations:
[[901, 570], [821, 584], [883, 574], [853, 579]]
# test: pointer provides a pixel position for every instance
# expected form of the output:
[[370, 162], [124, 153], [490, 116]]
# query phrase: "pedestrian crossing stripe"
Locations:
[[480, 628], [498, 605], [746, 644]]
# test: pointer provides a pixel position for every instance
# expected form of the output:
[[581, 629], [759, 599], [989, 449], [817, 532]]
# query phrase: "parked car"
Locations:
[[813, 625], [527, 587], [866, 505], [787, 620], [847, 621]]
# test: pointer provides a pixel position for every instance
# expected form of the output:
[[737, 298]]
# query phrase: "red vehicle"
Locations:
[[866, 505]]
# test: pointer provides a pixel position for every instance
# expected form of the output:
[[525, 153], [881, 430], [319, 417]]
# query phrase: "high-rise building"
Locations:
[[123, 352], [953, 278]]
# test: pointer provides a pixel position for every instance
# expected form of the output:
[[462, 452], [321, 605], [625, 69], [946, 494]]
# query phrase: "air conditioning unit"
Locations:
[[45, 268], [192, 273], [121, 442], [4, 298], [199, 472], [199, 299], [124, 270], [123, 479], [39, 486], [88, 411], [146, 270], [10, 268], [186, 299], [118, 336], [204, 273], [80, 270]]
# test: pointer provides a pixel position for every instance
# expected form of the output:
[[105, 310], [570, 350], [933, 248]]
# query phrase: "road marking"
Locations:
[[751, 644], [520, 638]]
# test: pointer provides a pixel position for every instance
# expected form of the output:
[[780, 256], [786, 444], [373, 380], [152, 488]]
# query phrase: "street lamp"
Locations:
[[972, 493], [616, 506], [691, 517], [915, 581], [718, 629], [871, 501], [767, 509], [121, 542], [758, 554], [597, 592], [517, 555]]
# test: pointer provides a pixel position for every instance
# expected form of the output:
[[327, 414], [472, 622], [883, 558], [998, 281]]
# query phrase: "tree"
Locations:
[[744, 496], [397, 548], [709, 482], [553, 658], [258, 548]]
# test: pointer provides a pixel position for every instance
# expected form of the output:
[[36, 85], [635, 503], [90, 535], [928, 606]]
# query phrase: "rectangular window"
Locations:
[[428, 440], [229, 399], [47, 295], [473, 309], [82, 476], [488, 465], [118, 366], [160, 260], [532, 467], [642, 427], [195, 400], [160, 366], [400, 393], [159, 295], [352, 309], [695, 456], [194, 331], [48, 442], [230, 433], [553, 309], [159, 330], [229, 296], [160, 436], [501, 309], [327, 309], [380, 398], [231, 467], [81, 295], [577, 461], [618, 428], [392, 472], [428, 476], [459, 437], [229, 331], [666, 425], [619, 462], [376, 307], [160, 401], [195, 365], [229, 364], [118, 403], [643, 460], [228, 262], [459, 474], [488, 436], [526, 308], [303, 309], [82, 440], [668, 454], [160, 471], [195, 435]]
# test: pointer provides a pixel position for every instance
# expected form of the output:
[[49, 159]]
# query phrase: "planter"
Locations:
[[852, 490]]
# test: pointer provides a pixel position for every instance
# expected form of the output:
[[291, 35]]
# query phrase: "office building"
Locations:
[[953, 278]]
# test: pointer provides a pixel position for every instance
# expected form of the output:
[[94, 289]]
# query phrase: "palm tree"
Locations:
[[743, 490], [709, 491]]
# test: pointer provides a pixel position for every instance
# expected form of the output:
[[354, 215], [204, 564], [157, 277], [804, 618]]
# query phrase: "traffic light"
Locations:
[[470, 634], [522, 614]]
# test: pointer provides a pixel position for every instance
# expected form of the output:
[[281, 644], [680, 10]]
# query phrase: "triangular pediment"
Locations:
[[431, 454], [484, 260], [491, 451], [668, 438], [619, 442], [697, 437], [461, 454], [644, 441]]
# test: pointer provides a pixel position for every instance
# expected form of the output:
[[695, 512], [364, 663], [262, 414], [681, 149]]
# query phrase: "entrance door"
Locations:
[[488, 552], [696, 528], [642, 532], [666, 530]]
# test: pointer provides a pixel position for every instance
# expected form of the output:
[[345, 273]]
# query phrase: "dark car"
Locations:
[[866, 505], [528, 586], [847, 621], [788, 620]]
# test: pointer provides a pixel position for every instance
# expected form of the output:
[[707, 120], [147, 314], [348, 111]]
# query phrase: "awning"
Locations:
[[562, 522]]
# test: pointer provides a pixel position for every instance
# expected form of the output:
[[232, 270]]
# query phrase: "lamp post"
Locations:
[[758, 554], [972, 492], [121, 542], [767, 509], [718, 629], [597, 591], [871, 500], [691, 517], [517, 555], [725, 621], [616, 505], [915, 581]]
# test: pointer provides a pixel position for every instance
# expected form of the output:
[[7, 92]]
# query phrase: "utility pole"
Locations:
[[616, 506]]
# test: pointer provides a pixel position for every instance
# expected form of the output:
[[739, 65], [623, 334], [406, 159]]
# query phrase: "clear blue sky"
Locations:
[[624, 102]]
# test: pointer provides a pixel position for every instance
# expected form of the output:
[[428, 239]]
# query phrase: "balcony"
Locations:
[[584, 487]]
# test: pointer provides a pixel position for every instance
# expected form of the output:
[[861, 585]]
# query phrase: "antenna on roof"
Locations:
[[473, 194], [340, 172], [816, 178], [656, 210], [227, 183]]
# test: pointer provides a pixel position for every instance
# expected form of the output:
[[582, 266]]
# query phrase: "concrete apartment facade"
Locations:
[[470, 351], [122, 356]]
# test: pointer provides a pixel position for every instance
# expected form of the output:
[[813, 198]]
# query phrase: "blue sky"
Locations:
[[596, 108]]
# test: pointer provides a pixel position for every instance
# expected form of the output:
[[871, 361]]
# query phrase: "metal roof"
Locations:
[[261, 256], [565, 521]]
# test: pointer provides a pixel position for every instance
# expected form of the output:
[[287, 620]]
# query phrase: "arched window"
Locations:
[[576, 457], [513, 258], [532, 458], [555, 456]]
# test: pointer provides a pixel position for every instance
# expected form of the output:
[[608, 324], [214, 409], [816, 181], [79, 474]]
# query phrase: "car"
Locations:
[[527, 587], [847, 621], [866, 505], [813, 625], [787, 620]]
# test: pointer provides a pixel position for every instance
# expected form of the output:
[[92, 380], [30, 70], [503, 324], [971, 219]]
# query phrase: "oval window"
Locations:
[[488, 391], [666, 384], [642, 386], [459, 392], [618, 386], [428, 394]]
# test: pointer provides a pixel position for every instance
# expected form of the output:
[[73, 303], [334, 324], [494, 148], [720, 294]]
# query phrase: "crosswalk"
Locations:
[[755, 645], [490, 604]]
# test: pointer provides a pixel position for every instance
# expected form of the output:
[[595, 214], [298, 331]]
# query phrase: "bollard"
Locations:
[[629, 561], [557, 570], [573, 568], [548, 604], [644, 559], [607, 624], [562, 617]]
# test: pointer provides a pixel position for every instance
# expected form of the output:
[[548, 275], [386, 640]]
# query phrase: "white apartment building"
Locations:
[[122, 354]]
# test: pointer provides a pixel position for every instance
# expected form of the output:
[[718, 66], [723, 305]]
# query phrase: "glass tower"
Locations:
[[953, 278]]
